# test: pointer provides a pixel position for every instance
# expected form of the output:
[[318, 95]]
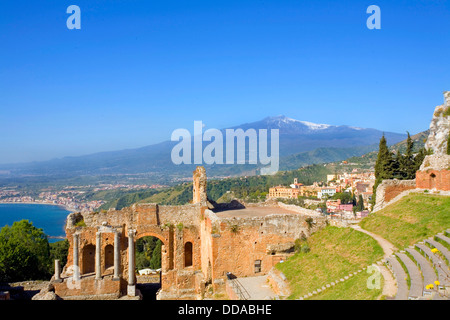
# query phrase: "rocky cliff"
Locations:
[[438, 138]]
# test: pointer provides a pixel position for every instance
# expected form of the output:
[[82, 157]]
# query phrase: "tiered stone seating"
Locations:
[[416, 288], [421, 266], [429, 276], [440, 247], [436, 261], [400, 276], [443, 237]]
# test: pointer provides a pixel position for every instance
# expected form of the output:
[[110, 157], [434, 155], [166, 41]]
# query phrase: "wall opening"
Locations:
[[88, 259], [257, 266], [109, 256], [432, 181], [188, 254], [148, 265]]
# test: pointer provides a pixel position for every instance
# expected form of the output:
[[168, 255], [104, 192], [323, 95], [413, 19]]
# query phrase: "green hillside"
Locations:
[[413, 218], [254, 187]]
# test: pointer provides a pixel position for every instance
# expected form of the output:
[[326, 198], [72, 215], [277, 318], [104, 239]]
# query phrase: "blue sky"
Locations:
[[137, 70]]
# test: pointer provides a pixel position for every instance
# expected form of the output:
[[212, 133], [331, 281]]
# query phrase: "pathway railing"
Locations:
[[237, 287]]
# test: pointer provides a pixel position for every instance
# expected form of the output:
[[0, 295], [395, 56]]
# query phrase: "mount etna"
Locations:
[[301, 143]]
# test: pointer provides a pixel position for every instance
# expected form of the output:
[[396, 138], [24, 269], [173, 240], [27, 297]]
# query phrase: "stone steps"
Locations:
[[440, 247], [416, 289], [400, 277], [443, 237], [428, 273], [436, 263]]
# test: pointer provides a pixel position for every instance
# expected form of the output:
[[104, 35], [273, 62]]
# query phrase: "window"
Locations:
[[257, 266]]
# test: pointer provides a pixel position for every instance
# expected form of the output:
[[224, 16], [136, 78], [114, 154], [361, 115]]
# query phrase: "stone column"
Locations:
[[131, 264], [57, 271], [116, 256], [76, 267], [98, 256]]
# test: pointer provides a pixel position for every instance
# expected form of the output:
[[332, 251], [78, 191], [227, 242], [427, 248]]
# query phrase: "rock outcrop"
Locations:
[[438, 138], [434, 173]]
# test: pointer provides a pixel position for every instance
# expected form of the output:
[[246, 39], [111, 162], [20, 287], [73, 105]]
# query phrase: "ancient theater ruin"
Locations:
[[203, 242]]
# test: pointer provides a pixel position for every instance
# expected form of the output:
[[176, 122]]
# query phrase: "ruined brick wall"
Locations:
[[199, 186], [198, 247], [175, 226], [234, 244], [91, 289], [433, 179]]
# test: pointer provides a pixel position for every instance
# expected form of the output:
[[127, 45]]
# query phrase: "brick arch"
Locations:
[[167, 250], [150, 234]]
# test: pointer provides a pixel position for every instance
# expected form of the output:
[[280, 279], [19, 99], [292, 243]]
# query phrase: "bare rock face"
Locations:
[[437, 139]]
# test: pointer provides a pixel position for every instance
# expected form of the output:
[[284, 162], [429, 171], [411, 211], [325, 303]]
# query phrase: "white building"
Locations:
[[326, 191]]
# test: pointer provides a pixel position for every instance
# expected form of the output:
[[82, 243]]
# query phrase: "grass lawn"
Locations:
[[354, 288], [412, 219], [335, 252]]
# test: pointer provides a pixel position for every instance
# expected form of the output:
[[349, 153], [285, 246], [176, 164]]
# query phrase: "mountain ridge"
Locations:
[[296, 136]]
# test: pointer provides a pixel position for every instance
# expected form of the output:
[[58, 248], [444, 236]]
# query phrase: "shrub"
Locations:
[[305, 248], [80, 223]]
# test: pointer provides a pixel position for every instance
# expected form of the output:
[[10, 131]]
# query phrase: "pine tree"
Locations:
[[360, 204], [409, 165], [384, 166], [399, 166]]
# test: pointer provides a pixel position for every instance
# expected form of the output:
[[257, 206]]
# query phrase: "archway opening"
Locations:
[[432, 181], [88, 259], [148, 266]]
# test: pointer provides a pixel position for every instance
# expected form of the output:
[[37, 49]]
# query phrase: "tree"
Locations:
[[360, 204], [407, 163], [24, 253], [384, 166], [148, 253], [448, 144], [155, 261], [58, 251], [346, 197]]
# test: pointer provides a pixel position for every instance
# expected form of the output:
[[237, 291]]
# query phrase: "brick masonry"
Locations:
[[199, 248]]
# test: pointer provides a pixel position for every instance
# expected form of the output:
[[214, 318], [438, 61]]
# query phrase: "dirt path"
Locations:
[[390, 285]]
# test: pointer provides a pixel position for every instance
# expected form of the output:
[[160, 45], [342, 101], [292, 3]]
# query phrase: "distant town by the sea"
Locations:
[[50, 218]]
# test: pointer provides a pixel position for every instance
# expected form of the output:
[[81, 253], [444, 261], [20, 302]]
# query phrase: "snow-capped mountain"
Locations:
[[295, 137]]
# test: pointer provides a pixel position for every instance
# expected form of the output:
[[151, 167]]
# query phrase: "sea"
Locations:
[[50, 218]]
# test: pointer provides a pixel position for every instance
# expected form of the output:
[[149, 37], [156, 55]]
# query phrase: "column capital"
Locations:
[[131, 232]]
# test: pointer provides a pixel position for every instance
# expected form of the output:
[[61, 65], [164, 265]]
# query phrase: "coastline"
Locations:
[[42, 203]]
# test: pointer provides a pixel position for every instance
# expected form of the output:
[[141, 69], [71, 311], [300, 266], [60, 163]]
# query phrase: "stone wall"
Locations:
[[389, 189], [89, 288], [235, 244], [278, 282]]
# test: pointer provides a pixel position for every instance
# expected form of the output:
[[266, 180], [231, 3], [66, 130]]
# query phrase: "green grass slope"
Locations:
[[413, 218], [355, 288], [335, 252]]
